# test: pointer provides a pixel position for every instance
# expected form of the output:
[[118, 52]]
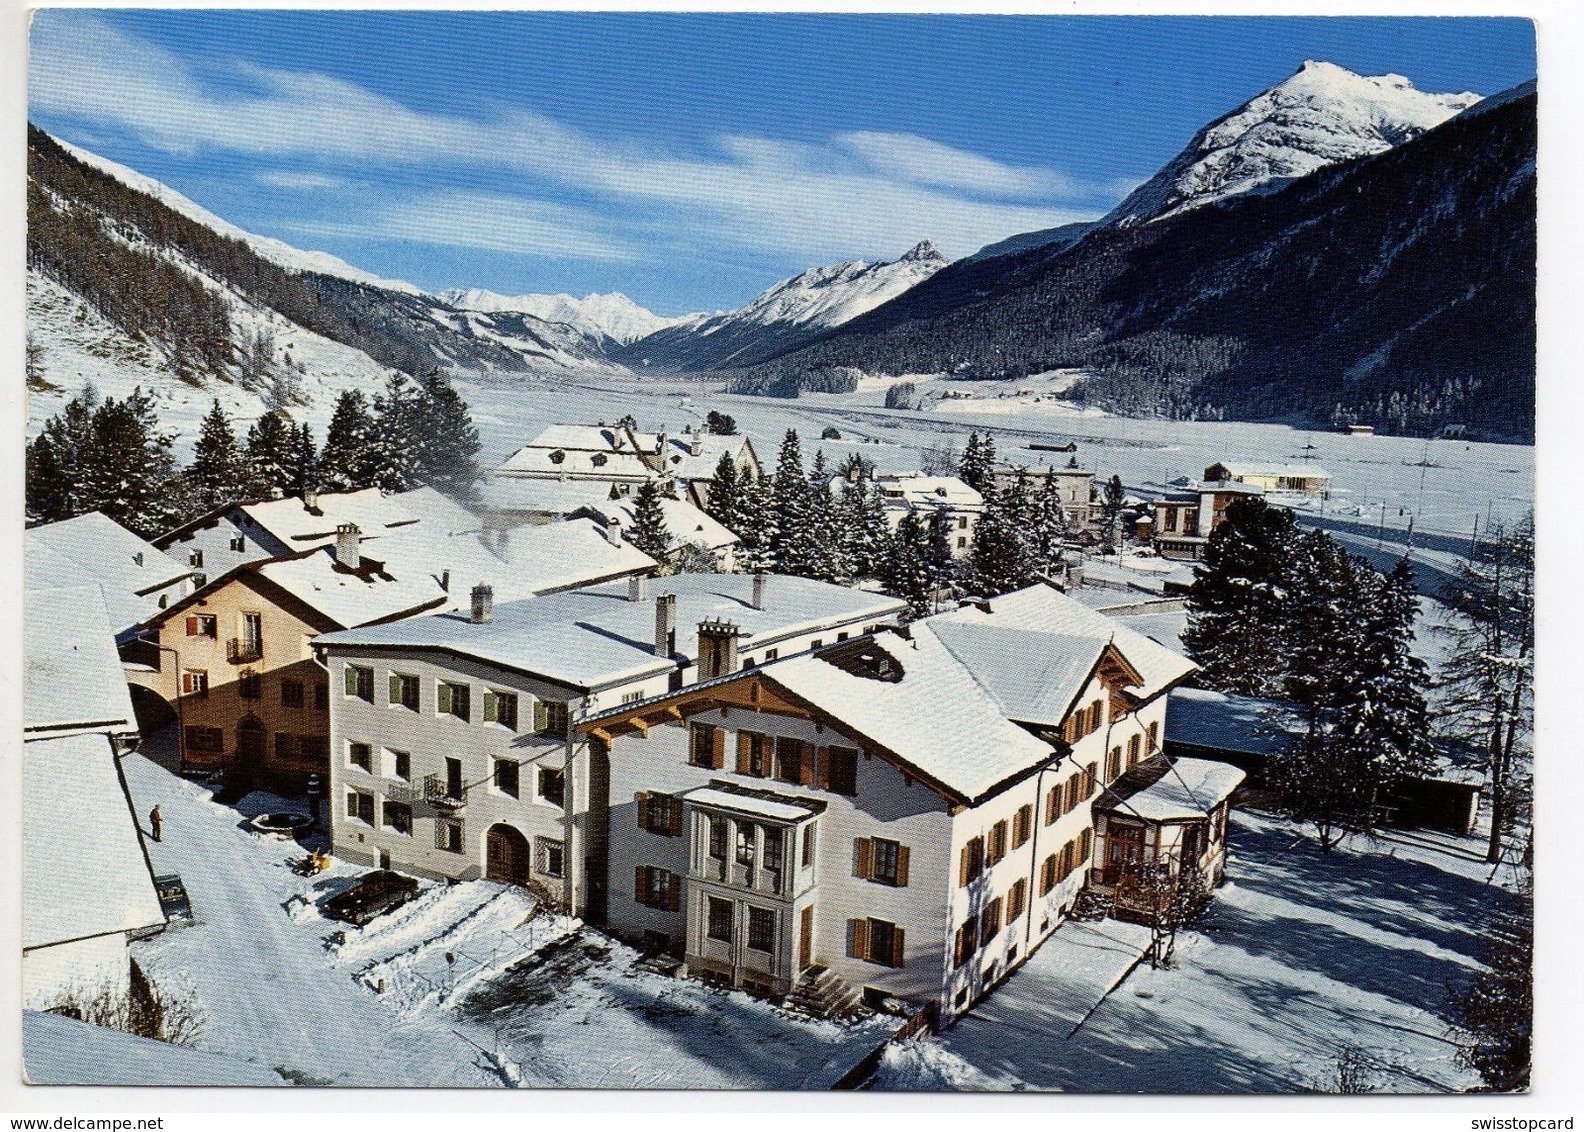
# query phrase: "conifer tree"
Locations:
[[978, 463], [304, 462], [270, 456], [351, 454], [1495, 1013], [794, 539], [1051, 527], [725, 494], [129, 471], [648, 531], [1003, 558], [57, 461], [450, 463], [909, 574], [216, 471], [756, 523]]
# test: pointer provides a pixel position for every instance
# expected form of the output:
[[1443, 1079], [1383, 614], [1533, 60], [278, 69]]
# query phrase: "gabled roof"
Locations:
[[301, 527], [680, 460], [542, 496], [1159, 789], [1044, 609], [1035, 677], [595, 637], [73, 680], [929, 491], [684, 522], [928, 710], [93, 549], [351, 597], [84, 872]]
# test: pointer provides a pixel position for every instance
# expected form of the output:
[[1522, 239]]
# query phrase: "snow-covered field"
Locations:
[[1302, 955], [469, 985]]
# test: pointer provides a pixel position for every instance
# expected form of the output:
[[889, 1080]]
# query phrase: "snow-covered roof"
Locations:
[[1033, 676], [1243, 724], [350, 597], [436, 511], [596, 637], [684, 522], [1297, 471], [93, 549], [542, 496], [63, 1051], [756, 803], [73, 680], [935, 716], [589, 438], [682, 462], [555, 462], [84, 872], [1044, 609], [300, 527], [1161, 790], [929, 491]]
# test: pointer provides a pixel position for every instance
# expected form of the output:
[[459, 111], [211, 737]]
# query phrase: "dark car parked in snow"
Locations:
[[377, 893]]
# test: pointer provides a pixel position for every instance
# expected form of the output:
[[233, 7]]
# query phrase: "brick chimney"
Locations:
[[758, 601], [638, 587], [348, 536], [665, 626], [483, 605]]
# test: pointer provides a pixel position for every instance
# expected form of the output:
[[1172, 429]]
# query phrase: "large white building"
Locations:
[[452, 743], [910, 811]]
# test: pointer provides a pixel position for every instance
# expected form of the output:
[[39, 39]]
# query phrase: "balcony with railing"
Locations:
[[442, 793], [244, 650]]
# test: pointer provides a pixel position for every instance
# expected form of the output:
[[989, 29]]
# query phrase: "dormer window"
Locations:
[[557, 457], [195, 558], [599, 459], [239, 543]]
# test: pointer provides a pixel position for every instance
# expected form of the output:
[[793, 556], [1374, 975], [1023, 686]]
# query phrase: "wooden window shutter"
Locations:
[[395, 688], [674, 894], [861, 938], [717, 749], [192, 626], [744, 752], [897, 950], [902, 873], [640, 889], [675, 814], [962, 869], [806, 757], [643, 810], [822, 768], [541, 716], [863, 858], [351, 680]]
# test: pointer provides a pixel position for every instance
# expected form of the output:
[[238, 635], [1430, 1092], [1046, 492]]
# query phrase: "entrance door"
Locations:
[[1124, 850], [250, 741], [806, 939], [506, 855]]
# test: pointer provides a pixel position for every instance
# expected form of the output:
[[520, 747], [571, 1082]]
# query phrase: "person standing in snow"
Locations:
[[154, 822]]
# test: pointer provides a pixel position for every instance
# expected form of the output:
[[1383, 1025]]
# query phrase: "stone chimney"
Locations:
[[665, 626], [311, 499], [758, 601], [696, 442], [613, 533], [348, 536], [717, 648], [445, 580], [638, 588], [483, 605]]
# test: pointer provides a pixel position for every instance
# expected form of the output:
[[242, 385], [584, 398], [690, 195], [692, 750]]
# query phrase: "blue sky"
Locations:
[[686, 160]]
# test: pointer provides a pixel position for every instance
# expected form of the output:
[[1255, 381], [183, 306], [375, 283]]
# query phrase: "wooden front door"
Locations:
[[806, 939], [506, 855]]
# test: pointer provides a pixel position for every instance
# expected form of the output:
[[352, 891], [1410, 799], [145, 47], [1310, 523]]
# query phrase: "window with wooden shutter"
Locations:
[[1133, 751], [808, 844], [863, 858], [541, 716], [860, 938], [1052, 804], [841, 776], [1091, 779], [1074, 792], [703, 741], [990, 920], [898, 947], [1154, 738], [967, 940], [996, 848], [1022, 826], [902, 866], [1114, 764], [971, 863], [1048, 875], [641, 884], [643, 809], [789, 759], [1017, 900], [1085, 846]]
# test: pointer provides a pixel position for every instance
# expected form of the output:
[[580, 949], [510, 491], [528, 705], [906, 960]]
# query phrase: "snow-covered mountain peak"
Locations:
[[839, 292], [612, 315], [1321, 115]]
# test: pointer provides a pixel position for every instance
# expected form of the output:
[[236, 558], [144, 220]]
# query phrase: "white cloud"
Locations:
[[290, 179], [864, 193]]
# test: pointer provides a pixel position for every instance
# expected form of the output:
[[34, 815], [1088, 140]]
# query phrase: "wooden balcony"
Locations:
[[437, 792]]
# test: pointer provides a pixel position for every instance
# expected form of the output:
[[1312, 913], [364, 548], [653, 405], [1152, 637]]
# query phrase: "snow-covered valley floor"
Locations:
[[469, 985], [1301, 956]]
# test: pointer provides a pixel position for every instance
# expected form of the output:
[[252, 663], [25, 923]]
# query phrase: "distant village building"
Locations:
[[1074, 486], [1360, 429], [958, 505], [1293, 479], [87, 882], [454, 753], [686, 524], [1183, 519], [614, 460], [234, 662]]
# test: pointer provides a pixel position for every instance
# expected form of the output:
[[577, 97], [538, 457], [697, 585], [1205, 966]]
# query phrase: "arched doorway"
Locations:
[[506, 855]]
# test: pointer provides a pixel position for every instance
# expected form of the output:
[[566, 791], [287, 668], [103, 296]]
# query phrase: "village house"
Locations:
[[1183, 520], [136, 578], [1290, 479], [614, 460], [87, 882], [686, 525], [453, 742], [1074, 487], [946, 497], [234, 661], [905, 815]]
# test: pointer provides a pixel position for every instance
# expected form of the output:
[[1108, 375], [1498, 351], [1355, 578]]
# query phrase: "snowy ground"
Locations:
[[468, 985], [1302, 955]]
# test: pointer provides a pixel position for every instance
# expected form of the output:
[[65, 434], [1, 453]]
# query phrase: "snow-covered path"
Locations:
[[266, 985]]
